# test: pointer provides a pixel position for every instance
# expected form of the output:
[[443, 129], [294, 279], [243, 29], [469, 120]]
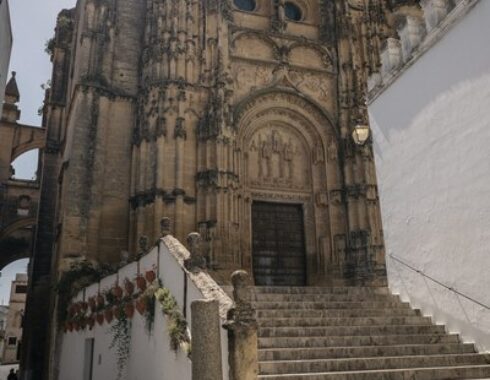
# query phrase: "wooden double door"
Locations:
[[278, 244]]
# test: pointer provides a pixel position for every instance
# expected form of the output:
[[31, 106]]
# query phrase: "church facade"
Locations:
[[232, 118]]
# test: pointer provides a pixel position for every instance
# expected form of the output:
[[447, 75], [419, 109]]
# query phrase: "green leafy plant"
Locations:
[[177, 325], [79, 276], [121, 340]]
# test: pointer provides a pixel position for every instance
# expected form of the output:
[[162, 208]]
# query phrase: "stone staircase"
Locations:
[[355, 333]]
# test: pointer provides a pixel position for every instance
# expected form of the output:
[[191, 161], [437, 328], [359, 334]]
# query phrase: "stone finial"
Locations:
[[196, 261], [165, 227], [391, 55], [434, 12], [412, 31], [143, 245]]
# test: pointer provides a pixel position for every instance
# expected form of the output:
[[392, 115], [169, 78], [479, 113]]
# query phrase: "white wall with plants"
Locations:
[[138, 318]]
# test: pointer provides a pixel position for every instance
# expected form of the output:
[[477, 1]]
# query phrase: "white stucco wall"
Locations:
[[5, 47], [432, 142], [151, 357]]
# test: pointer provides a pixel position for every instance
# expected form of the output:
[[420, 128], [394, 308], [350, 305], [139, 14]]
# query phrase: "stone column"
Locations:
[[242, 331], [206, 341]]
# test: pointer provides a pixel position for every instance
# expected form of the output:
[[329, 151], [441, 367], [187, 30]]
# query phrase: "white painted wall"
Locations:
[[151, 357], [432, 142], [5, 47]]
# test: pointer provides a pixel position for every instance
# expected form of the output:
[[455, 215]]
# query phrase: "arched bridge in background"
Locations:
[[19, 198]]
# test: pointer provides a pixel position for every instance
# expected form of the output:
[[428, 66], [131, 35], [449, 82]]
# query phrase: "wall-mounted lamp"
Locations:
[[361, 134]]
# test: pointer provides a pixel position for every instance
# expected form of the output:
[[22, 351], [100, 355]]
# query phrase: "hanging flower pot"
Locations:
[[76, 325], [129, 287], [83, 306], [109, 315], [150, 276], [117, 292], [141, 305], [100, 301], [100, 319], [83, 323], [76, 308], [91, 322], [129, 309], [92, 304], [71, 311], [141, 283]]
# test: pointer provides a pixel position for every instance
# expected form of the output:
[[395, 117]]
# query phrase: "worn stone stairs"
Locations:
[[355, 334]]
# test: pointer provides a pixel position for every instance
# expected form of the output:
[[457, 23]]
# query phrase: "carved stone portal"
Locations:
[[277, 159]]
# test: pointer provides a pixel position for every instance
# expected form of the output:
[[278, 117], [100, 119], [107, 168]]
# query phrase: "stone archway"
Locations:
[[290, 157]]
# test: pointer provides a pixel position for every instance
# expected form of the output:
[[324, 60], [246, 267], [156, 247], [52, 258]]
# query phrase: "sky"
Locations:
[[33, 23]]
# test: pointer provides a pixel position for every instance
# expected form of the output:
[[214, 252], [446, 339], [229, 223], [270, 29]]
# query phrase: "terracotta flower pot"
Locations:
[[109, 315], [71, 311], [100, 300], [76, 308], [100, 319], [129, 310], [91, 322], [92, 304], [141, 305], [141, 283], [150, 276], [129, 287], [117, 292]]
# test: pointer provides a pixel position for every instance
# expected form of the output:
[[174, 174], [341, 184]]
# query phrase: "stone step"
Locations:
[[329, 305], [368, 364], [363, 321], [349, 341], [364, 352], [335, 313], [332, 331], [321, 290], [438, 373], [327, 297]]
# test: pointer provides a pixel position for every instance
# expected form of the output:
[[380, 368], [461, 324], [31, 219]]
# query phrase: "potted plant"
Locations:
[[91, 322], [100, 318], [117, 291], [100, 301], [83, 306], [141, 283], [129, 309], [109, 314], [150, 276], [92, 304], [141, 304], [129, 287]]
